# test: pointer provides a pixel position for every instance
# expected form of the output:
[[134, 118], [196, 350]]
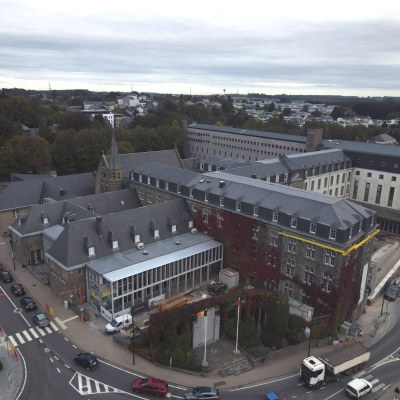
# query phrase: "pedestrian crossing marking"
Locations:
[[374, 381], [54, 326], [379, 387], [40, 330], [20, 338], [85, 385], [26, 334], [34, 334]]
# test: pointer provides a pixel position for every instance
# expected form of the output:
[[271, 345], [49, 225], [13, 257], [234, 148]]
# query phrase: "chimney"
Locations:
[[99, 226], [221, 184], [62, 192], [254, 176], [86, 242]]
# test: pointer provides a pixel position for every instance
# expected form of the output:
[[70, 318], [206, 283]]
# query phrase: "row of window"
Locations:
[[378, 194], [308, 278]]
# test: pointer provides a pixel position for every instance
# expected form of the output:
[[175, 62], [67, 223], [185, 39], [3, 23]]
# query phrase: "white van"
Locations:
[[122, 321], [358, 388]]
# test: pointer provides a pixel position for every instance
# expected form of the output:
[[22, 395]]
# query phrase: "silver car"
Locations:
[[41, 320]]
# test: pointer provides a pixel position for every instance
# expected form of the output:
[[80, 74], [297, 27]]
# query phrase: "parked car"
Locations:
[[28, 304], [6, 276], [122, 321], [86, 360], [392, 290], [154, 386], [17, 289], [202, 392], [41, 320]]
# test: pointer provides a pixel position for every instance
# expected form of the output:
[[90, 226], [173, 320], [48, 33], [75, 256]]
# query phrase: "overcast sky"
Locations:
[[344, 47]]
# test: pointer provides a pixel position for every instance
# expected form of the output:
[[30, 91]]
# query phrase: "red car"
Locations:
[[153, 386]]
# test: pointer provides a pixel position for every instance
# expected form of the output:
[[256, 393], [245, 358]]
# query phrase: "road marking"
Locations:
[[374, 381], [97, 385], [54, 326], [26, 334], [20, 338], [48, 330], [13, 341], [33, 332], [59, 322], [40, 330], [58, 370], [379, 387]]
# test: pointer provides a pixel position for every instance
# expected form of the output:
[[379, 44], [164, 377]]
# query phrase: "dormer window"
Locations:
[[131, 175], [202, 166], [238, 206], [166, 185], [206, 197], [221, 201], [275, 216], [313, 228], [91, 251], [148, 180], [115, 244], [190, 224], [256, 211], [45, 220], [156, 233], [293, 223], [157, 183], [191, 192], [137, 238], [332, 234], [178, 188], [140, 178], [173, 228]]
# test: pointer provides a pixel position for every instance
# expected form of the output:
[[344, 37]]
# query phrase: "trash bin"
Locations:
[[66, 304]]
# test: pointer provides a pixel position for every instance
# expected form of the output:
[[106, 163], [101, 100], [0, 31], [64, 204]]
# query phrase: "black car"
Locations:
[[202, 392], [17, 289], [216, 288], [86, 360], [392, 290], [28, 304], [6, 276]]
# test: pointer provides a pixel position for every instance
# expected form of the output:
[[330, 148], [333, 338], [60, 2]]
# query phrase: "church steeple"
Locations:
[[114, 163]]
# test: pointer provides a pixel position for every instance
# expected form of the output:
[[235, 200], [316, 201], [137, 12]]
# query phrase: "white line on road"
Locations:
[[264, 383], [33, 332], [48, 330], [58, 370], [69, 319], [26, 334], [13, 341], [59, 322], [41, 331], [54, 326], [51, 360], [20, 338]]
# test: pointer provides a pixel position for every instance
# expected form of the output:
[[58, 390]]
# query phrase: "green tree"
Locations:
[[64, 152]]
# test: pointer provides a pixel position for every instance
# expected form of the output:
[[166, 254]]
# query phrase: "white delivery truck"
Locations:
[[122, 321], [315, 371]]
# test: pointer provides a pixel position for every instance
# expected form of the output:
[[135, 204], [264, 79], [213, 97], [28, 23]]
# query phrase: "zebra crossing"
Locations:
[[376, 384], [30, 334], [85, 385]]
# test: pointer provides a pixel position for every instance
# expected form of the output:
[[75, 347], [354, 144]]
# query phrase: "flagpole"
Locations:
[[204, 364], [236, 351]]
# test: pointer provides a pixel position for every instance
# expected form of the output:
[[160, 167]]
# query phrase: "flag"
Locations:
[[236, 303], [202, 313]]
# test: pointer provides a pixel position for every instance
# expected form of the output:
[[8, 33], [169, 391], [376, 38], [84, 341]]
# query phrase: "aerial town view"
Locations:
[[199, 200]]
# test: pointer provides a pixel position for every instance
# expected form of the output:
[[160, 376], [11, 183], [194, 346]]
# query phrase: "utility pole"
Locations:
[[133, 338]]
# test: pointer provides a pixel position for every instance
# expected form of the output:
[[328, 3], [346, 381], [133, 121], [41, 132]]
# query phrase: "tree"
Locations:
[[337, 112], [63, 151], [286, 111], [31, 154], [74, 120]]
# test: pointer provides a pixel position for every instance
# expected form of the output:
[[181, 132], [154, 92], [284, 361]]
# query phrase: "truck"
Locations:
[[331, 366]]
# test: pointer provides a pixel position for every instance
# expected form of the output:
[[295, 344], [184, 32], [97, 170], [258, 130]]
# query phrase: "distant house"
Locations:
[[30, 131]]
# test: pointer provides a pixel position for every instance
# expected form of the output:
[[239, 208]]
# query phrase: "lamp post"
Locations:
[[133, 337], [12, 251], [383, 302]]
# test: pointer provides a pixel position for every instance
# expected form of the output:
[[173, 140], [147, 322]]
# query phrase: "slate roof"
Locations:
[[248, 132], [312, 206], [22, 194], [75, 209], [131, 161], [69, 249], [361, 147], [290, 164], [384, 138]]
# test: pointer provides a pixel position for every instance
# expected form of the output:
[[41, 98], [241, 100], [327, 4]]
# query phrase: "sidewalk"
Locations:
[[89, 336]]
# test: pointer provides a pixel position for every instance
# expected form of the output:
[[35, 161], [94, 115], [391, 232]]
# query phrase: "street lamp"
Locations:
[[12, 251]]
